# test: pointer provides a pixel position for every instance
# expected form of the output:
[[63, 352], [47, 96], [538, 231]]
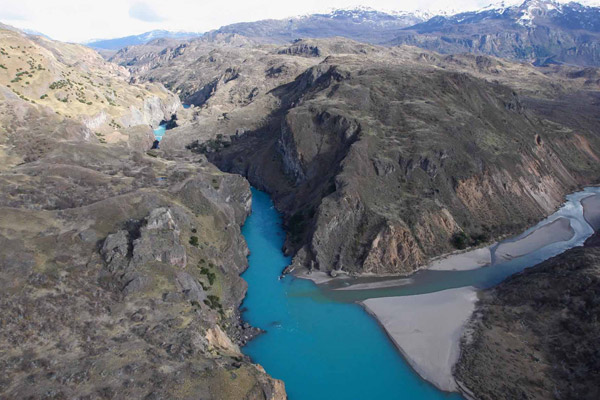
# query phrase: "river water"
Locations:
[[320, 348], [325, 346], [160, 131]]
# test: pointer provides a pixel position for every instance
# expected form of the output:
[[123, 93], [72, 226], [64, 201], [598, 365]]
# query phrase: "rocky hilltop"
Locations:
[[120, 267], [535, 335], [382, 158]]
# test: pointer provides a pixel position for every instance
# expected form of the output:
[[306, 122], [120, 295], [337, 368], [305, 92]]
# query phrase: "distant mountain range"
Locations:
[[361, 24], [537, 31], [119, 43]]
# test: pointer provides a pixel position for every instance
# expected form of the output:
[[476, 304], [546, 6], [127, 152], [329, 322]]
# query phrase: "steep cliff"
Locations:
[[380, 158]]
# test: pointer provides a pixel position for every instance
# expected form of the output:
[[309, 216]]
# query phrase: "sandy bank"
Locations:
[[427, 329], [591, 210], [378, 284], [559, 230], [317, 277], [464, 261]]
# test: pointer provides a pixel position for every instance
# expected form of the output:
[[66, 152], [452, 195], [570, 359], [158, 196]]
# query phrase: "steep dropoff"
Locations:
[[404, 160], [381, 159]]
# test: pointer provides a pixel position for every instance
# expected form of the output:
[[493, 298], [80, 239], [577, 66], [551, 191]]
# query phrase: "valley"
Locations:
[[354, 204]]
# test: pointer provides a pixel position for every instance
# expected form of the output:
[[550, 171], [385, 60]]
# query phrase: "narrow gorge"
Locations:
[[319, 207]]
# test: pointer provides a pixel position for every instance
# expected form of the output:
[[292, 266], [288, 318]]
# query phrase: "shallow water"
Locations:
[[160, 131], [320, 348]]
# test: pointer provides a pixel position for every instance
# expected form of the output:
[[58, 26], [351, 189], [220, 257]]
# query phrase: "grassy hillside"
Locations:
[[75, 82]]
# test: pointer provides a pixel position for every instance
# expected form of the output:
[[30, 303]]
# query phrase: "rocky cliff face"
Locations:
[[535, 335], [119, 274], [378, 158], [419, 175]]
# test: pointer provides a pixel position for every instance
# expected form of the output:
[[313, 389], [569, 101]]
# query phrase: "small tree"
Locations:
[[460, 240]]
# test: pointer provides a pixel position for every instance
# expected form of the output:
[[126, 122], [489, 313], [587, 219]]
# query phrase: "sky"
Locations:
[[82, 20]]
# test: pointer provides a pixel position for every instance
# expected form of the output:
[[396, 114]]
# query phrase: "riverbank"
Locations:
[[321, 348], [425, 315], [427, 329], [591, 210], [547, 233], [559, 230]]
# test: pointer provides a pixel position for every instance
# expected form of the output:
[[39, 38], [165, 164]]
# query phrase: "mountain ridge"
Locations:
[[537, 31], [143, 38]]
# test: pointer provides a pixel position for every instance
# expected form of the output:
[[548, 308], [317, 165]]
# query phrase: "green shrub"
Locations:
[[460, 240], [194, 241], [60, 84], [213, 302], [211, 278]]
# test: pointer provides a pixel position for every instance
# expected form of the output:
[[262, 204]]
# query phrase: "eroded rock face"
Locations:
[[379, 158], [159, 240], [393, 250], [309, 143]]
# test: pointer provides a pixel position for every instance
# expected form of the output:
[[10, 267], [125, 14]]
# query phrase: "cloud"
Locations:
[[14, 12], [144, 12], [10, 16]]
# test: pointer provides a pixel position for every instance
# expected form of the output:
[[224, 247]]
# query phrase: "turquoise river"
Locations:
[[325, 346]]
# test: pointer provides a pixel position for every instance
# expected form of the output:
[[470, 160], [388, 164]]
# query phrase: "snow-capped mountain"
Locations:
[[525, 13], [539, 31], [361, 23]]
